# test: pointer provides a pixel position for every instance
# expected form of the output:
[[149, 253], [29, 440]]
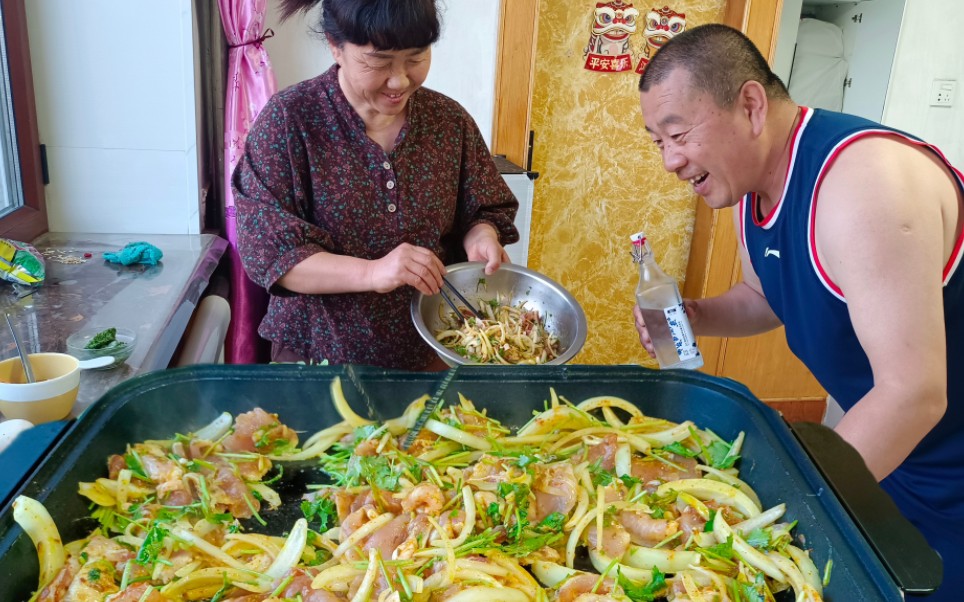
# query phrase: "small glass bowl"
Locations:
[[77, 341]]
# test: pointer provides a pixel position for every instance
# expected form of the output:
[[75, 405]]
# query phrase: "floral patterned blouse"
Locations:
[[311, 181]]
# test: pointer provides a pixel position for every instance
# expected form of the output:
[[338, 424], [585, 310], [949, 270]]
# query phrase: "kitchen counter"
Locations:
[[156, 302]]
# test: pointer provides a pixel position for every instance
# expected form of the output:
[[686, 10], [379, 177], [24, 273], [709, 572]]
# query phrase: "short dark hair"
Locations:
[[719, 59], [385, 24]]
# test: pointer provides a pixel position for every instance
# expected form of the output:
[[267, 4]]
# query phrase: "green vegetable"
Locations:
[[645, 592], [152, 546], [678, 449], [102, 339], [759, 539], [323, 510]]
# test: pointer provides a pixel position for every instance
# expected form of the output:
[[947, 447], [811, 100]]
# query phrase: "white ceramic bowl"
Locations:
[[50, 398]]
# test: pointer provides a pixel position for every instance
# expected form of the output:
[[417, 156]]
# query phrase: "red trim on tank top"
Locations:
[[956, 254], [765, 222]]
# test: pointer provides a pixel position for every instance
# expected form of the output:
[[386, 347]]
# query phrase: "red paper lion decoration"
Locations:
[[661, 25], [608, 48]]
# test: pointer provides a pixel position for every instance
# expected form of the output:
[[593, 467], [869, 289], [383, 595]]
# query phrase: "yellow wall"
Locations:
[[601, 179]]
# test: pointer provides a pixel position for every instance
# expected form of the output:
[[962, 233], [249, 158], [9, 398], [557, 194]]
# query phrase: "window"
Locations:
[[23, 215]]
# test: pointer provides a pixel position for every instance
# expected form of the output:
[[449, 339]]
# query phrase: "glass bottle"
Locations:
[[658, 297]]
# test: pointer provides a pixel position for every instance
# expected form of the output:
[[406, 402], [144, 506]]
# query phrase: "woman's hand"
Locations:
[[482, 244], [407, 264], [692, 312]]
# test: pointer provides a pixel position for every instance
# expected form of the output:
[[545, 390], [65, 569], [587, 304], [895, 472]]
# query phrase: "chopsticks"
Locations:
[[452, 304]]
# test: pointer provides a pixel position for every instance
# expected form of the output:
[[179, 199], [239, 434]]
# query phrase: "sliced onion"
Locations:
[[365, 590], [291, 552], [215, 429], [668, 561], [748, 553], [450, 432], [607, 401], [34, 519], [705, 489], [551, 574], [810, 573], [764, 519], [341, 404]]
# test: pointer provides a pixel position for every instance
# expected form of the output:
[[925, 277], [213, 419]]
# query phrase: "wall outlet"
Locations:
[[943, 92]]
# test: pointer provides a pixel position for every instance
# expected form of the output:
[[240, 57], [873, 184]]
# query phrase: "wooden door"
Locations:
[[763, 363]]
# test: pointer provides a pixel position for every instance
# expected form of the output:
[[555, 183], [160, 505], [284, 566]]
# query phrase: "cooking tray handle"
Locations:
[[915, 566], [17, 462]]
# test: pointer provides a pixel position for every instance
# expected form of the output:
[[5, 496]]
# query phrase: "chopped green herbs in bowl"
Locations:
[[95, 342]]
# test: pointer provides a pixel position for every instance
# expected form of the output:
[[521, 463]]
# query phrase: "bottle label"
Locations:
[[679, 327]]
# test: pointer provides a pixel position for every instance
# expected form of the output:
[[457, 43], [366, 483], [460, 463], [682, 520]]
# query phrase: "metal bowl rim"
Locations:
[[578, 339]]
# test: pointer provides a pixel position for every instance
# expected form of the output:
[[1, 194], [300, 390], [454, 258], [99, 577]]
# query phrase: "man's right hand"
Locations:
[[407, 265]]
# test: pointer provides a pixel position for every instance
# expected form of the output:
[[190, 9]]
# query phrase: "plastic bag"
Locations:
[[20, 263]]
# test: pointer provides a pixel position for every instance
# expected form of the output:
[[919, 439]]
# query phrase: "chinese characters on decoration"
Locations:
[[609, 49]]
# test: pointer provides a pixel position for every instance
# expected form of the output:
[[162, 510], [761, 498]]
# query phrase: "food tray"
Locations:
[[159, 404]]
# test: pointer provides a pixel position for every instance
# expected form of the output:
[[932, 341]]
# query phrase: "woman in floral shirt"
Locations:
[[358, 186]]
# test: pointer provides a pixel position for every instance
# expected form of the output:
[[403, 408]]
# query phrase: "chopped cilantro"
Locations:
[[102, 339], [600, 476], [643, 593], [708, 527], [750, 592], [680, 450], [133, 462], [323, 510], [529, 544], [377, 471], [719, 455], [152, 546], [553, 522], [525, 460], [721, 551], [759, 539]]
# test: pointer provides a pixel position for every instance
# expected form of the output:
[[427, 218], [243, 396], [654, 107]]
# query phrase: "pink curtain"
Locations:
[[250, 83]]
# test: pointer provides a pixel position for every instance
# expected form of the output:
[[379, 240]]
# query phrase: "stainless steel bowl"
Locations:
[[562, 313]]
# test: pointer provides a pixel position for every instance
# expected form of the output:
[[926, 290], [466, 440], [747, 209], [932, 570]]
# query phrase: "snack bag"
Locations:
[[20, 263]]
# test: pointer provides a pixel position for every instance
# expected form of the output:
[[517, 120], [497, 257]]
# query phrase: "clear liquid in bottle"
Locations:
[[661, 304]]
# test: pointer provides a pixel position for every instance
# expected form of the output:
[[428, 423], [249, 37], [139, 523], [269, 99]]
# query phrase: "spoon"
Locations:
[[27, 369], [97, 362]]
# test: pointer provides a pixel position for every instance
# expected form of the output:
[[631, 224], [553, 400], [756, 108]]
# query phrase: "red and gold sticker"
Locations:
[[608, 49], [661, 25]]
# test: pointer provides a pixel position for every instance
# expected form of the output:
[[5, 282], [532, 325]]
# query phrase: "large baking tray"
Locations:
[[159, 404]]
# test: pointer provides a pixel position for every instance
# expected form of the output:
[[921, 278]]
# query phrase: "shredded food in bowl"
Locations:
[[509, 334]]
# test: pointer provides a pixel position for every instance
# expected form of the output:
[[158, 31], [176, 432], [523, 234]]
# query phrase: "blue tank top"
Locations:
[[929, 485]]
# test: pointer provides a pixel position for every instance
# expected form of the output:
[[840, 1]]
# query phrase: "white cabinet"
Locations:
[[522, 186], [870, 29]]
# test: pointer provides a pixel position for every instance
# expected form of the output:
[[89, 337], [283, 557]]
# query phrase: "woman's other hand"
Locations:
[[407, 264], [482, 244]]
